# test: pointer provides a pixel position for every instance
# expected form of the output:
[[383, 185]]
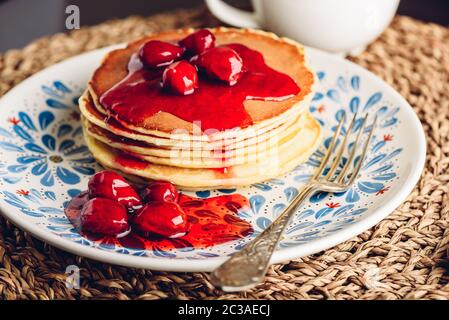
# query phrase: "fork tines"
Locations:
[[333, 158]]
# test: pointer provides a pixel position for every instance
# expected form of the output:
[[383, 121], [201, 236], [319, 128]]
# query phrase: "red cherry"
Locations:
[[159, 53], [103, 216], [163, 218], [180, 77], [160, 191], [221, 63], [110, 185], [198, 42]]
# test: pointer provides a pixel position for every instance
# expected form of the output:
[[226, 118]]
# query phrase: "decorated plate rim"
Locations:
[[388, 204]]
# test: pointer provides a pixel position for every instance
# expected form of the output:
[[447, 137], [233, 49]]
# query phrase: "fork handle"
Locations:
[[247, 268]]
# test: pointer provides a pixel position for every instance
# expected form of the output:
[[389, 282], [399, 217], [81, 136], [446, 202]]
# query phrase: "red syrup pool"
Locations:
[[215, 104], [213, 221]]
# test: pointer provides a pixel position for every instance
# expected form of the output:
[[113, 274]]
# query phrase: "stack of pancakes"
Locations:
[[164, 147]]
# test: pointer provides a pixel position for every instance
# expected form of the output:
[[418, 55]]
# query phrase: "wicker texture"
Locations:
[[403, 257]]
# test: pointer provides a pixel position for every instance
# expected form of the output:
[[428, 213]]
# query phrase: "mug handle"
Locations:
[[231, 15]]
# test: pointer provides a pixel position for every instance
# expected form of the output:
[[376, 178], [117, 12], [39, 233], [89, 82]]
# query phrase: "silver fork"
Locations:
[[247, 268]]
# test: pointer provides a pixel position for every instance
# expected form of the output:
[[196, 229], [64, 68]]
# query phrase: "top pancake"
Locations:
[[280, 54]]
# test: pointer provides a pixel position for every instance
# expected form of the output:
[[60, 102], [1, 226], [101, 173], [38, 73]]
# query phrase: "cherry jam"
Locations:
[[212, 221], [217, 105]]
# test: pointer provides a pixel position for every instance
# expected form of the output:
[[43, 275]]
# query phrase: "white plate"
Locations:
[[44, 162]]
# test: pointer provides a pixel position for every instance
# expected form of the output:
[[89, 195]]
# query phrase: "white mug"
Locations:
[[338, 26]]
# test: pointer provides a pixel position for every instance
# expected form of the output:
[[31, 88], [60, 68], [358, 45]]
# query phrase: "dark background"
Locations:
[[23, 20]]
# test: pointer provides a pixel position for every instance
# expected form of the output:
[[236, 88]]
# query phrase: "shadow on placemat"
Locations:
[[407, 250]]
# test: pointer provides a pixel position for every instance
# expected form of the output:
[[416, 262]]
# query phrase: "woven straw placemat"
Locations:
[[403, 257]]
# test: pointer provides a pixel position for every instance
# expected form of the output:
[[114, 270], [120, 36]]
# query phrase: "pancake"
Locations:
[[307, 139], [281, 54], [90, 112], [164, 141], [207, 158]]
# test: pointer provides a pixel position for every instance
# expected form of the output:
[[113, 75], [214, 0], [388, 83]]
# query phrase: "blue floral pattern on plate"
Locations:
[[47, 163]]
